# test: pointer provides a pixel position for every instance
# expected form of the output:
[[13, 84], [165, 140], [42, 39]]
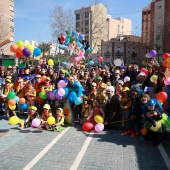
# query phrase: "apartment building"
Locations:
[[6, 25], [156, 26]]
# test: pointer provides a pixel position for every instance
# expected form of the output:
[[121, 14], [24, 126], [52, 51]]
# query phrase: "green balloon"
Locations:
[[11, 95], [43, 95], [67, 32], [71, 38], [67, 73]]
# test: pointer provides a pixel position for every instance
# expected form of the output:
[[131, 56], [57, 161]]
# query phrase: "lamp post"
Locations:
[[2, 50], [99, 51]]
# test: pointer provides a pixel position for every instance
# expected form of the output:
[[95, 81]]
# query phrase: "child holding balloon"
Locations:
[[32, 114]]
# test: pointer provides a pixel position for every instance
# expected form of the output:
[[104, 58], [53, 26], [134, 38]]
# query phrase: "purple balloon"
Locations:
[[61, 92], [26, 52], [152, 53], [99, 127], [61, 84], [48, 94], [52, 96], [58, 97], [36, 122]]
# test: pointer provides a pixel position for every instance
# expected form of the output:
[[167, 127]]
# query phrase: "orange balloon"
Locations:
[[13, 48], [43, 78], [167, 73], [19, 50], [22, 100], [164, 63], [11, 102]]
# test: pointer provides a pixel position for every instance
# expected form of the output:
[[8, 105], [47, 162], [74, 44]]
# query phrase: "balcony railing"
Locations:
[[118, 53], [107, 53]]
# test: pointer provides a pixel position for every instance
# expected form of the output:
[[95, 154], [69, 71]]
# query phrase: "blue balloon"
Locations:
[[91, 63], [74, 33], [88, 50], [37, 52], [66, 91], [72, 96], [77, 83], [23, 106], [62, 46], [67, 41], [16, 98], [64, 63], [78, 101]]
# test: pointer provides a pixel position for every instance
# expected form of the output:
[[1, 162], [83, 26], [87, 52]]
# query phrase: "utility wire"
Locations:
[[127, 13]]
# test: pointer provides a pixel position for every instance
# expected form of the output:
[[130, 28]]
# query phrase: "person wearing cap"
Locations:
[[112, 106], [93, 92], [20, 92], [47, 86], [45, 115], [134, 124], [118, 88], [125, 104], [9, 68], [30, 94], [116, 77], [85, 110], [32, 114], [8, 87], [99, 81]]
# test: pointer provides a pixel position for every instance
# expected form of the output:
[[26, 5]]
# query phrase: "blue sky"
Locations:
[[32, 16]]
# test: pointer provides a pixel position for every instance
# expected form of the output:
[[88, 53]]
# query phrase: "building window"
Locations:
[[159, 6], [81, 29], [77, 16], [77, 24], [11, 28], [11, 18], [86, 30], [118, 49], [87, 37], [86, 14], [77, 30], [82, 15], [149, 12], [86, 22], [11, 8], [144, 13]]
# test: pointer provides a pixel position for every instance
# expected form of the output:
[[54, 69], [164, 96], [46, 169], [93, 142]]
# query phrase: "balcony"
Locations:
[[107, 53], [118, 53], [134, 55]]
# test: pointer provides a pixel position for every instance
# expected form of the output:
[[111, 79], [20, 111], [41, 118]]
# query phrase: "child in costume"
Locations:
[[32, 114], [125, 104], [85, 110], [45, 115]]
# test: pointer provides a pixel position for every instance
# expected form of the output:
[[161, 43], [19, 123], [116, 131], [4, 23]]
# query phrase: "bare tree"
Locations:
[[60, 21]]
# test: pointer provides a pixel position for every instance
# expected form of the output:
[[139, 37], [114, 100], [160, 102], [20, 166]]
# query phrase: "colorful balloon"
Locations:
[[11, 102], [99, 119], [99, 127], [20, 43], [12, 107], [11, 95], [37, 52], [50, 62], [78, 101], [167, 81], [19, 50], [30, 47], [13, 48], [61, 92], [152, 53], [26, 52], [43, 95], [100, 58], [22, 100], [24, 106], [61, 84], [126, 79], [87, 126], [153, 78], [166, 55], [72, 96], [14, 120], [51, 120], [36, 122], [161, 96]]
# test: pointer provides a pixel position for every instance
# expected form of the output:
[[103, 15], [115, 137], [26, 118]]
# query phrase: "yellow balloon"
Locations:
[[153, 78], [14, 120], [30, 47], [98, 119], [12, 107], [51, 120], [50, 62], [168, 59], [20, 43]]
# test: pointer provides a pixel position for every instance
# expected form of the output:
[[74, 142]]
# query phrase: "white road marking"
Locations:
[[82, 152], [44, 151], [164, 155]]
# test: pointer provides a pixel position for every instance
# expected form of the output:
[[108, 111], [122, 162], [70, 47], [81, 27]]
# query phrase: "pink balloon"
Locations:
[[36, 122], [99, 127], [52, 96], [167, 81], [126, 79], [61, 92], [61, 84], [76, 59], [100, 58]]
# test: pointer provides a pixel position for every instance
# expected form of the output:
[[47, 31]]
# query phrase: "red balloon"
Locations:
[[87, 126], [100, 58], [144, 70], [62, 37], [166, 55], [19, 55], [161, 97]]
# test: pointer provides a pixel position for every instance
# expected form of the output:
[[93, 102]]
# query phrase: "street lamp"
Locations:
[[2, 50]]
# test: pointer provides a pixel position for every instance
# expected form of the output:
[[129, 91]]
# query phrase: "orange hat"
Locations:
[[47, 79]]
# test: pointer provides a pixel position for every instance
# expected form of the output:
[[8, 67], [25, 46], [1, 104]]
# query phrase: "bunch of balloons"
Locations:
[[24, 51], [23, 104], [74, 42], [166, 62], [165, 121], [11, 100]]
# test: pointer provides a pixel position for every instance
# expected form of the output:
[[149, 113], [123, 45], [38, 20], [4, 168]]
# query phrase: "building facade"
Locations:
[[91, 22], [127, 48], [6, 25], [156, 27]]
